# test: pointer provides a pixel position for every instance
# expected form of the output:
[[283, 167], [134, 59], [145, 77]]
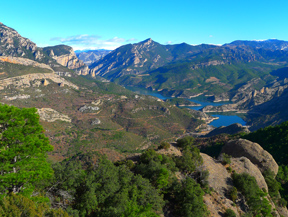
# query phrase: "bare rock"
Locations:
[[24, 81], [253, 151], [45, 82], [51, 115], [244, 165], [219, 179], [86, 108], [96, 121], [217, 205]]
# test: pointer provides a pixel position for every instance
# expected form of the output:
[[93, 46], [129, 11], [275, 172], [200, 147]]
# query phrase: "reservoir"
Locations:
[[225, 119]]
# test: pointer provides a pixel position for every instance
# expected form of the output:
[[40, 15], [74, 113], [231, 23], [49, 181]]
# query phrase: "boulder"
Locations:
[[253, 151], [244, 165], [219, 179]]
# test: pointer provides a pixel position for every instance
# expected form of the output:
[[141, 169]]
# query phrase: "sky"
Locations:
[[108, 24]]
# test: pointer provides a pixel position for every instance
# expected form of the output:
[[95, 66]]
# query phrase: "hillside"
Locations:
[[206, 69], [169, 181]]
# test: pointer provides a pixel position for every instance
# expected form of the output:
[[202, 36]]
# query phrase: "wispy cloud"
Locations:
[[169, 42], [210, 36], [131, 39], [80, 42]]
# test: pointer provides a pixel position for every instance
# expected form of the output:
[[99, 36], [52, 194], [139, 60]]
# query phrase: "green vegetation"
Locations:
[[88, 184], [164, 145], [229, 213], [275, 141], [258, 204], [58, 50], [17, 206], [226, 159], [23, 150], [181, 78]]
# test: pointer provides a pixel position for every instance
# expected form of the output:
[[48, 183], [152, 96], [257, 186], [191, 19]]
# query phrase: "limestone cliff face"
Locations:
[[66, 56]]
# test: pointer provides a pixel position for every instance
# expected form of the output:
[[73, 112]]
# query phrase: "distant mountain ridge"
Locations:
[[91, 56], [181, 68]]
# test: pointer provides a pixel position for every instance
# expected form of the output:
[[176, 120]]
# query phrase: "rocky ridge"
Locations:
[[13, 44], [25, 81], [24, 61]]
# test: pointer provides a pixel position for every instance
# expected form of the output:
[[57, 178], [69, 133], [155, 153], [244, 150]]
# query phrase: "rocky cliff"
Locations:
[[66, 56], [13, 44]]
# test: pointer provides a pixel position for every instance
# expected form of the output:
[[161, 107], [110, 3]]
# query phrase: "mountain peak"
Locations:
[[149, 40]]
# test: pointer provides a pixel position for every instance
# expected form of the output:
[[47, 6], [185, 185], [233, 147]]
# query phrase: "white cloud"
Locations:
[[169, 42], [131, 39], [81, 42], [210, 36]]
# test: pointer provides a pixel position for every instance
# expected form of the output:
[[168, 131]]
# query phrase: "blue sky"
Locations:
[[109, 23]]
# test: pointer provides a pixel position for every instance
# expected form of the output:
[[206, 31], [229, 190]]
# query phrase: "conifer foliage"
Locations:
[[23, 150]]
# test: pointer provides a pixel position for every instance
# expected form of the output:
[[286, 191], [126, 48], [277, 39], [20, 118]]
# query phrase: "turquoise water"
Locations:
[[224, 119]]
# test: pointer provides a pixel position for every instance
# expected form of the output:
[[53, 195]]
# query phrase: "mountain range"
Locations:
[[91, 56], [85, 118]]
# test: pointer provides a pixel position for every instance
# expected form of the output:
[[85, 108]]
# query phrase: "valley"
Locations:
[[146, 130]]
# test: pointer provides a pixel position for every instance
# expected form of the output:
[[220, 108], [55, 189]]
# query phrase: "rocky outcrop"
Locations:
[[218, 201], [65, 56], [219, 179], [96, 121], [24, 81], [24, 96], [244, 165], [24, 61], [13, 44], [86, 108], [51, 115], [231, 129], [253, 151]]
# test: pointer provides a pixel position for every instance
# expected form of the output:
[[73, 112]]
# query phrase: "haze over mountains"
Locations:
[[91, 56]]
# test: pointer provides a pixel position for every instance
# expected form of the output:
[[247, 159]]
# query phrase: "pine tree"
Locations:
[[23, 150]]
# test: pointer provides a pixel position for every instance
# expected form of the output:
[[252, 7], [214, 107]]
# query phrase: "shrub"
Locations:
[[226, 159], [229, 213], [164, 145], [233, 194], [186, 141]]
